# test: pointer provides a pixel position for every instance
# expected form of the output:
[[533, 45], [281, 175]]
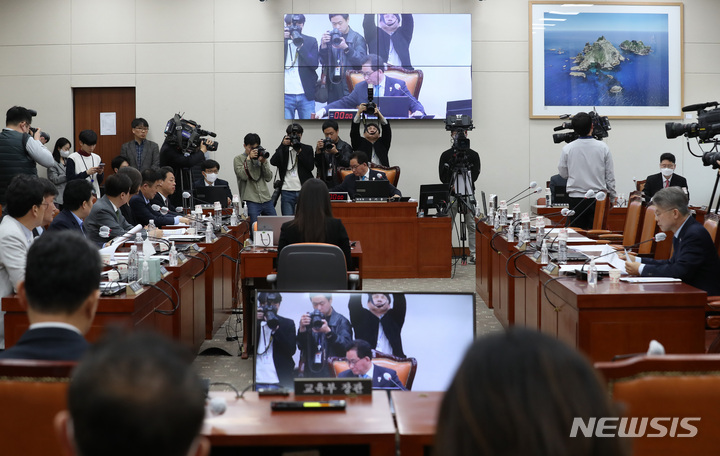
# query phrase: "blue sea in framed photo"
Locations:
[[644, 78]]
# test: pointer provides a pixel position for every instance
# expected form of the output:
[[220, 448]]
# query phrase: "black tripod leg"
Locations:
[[712, 196]]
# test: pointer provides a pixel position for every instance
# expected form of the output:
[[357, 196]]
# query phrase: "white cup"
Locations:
[[113, 276], [105, 257], [615, 276]]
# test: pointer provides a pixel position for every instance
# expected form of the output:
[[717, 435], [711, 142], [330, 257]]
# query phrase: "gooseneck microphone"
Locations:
[[533, 184], [388, 377]]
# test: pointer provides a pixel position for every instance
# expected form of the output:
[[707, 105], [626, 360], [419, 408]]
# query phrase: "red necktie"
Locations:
[[667, 183]]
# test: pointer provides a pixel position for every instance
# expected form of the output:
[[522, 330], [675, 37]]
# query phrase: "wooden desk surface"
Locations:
[[416, 414], [250, 422]]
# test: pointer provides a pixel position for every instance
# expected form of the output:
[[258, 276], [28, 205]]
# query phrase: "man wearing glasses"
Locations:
[[665, 178], [359, 359], [141, 153], [360, 166], [694, 259]]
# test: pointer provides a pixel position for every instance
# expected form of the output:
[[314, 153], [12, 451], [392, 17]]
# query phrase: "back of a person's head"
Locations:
[[18, 114], [313, 208], [62, 271], [137, 395], [517, 393], [135, 176], [116, 184], [582, 123]]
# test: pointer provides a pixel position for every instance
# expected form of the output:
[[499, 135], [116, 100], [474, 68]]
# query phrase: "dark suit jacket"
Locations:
[[218, 183], [348, 184], [392, 88], [694, 260], [366, 324], [307, 63], [656, 181], [382, 145], [52, 344], [160, 201], [335, 234], [283, 350], [150, 155], [378, 40], [143, 212], [378, 380], [325, 161], [305, 164], [65, 220]]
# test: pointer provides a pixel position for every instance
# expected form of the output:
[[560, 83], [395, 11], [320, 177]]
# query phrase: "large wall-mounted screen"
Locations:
[[418, 66]]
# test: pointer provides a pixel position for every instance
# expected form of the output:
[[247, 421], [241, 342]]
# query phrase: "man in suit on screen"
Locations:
[[359, 358]]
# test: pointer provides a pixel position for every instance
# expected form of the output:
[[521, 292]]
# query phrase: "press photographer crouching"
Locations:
[[184, 149], [459, 168]]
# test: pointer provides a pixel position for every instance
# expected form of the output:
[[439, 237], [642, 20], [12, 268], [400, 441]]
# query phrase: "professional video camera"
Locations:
[[187, 134], [335, 37], [601, 126], [295, 30], [707, 126], [316, 319], [459, 123]]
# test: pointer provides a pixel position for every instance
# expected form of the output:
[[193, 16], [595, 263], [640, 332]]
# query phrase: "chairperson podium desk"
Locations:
[[249, 423], [416, 414], [396, 242]]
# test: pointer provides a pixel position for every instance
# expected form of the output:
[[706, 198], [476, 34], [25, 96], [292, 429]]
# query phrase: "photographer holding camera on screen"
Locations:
[[341, 49], [275, 344], [253, 172], [301, 61], [295, 162], [322, 333]]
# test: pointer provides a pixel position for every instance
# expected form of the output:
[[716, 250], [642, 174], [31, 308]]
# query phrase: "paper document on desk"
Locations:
[[177, 232], [649, 279], [571, 268]]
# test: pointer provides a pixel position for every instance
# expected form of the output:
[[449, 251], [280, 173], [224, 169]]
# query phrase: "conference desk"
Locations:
[[416, 414], [602, 321], [189, 319], [397, 243], [615, 217], [366, 424]]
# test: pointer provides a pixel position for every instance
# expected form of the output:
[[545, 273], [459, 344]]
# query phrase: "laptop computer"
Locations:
[[394, 107], [209, 195], [273, 223], [372, 190]]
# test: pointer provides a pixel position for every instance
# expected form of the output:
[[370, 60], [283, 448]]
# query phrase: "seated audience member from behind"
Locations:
[[587, 165], [665, 178], [118, 162], [360, 166], [106, 210], [165, 189], [694, 259], [539, 387], [141, 153], [210, 178], [134, 395], [295, 162], [20, 148], [60, 293], [331, 153], [78, 197], [359, 359], [275, 344], [322, 334], [314, 221], [141, 204], [85, 163], [253, 172], [379, 321]]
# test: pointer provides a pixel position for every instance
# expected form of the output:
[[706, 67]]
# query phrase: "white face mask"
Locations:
[[212, 177], [667, 172], [64, 153]]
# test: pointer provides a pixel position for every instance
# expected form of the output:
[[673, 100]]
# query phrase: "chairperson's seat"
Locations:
[[405, 367], [312, 266]]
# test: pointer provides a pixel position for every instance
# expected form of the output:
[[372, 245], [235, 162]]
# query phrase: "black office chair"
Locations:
[[312, 266]]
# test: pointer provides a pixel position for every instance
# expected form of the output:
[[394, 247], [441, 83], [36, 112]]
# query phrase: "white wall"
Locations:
[[220, 62]]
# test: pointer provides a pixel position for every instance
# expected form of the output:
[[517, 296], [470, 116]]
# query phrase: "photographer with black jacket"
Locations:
[[295, 162]]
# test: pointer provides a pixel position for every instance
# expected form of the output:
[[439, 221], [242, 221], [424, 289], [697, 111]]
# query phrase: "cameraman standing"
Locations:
[[587, 165], [460, 167], [253, 172], [275, 344], [331, 153], [295, 162]]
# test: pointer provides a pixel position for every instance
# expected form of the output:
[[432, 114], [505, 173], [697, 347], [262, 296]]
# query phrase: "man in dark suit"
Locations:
[[694, 259], [360, 166], [78, 197], [275, 344], [210, 169], [141, 153], [665, 178], [60, 292], [301, 61], [106, 210], [165, 189], [141, 204], [383, 86], [379, 321], [359, 358]]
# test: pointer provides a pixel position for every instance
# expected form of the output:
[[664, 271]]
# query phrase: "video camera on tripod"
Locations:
[[705, 129], [459, 124], [187, 135], [601, 126]]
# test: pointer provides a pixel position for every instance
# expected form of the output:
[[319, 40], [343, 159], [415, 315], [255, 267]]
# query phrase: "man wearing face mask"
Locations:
[[665, 178], [210, 170]]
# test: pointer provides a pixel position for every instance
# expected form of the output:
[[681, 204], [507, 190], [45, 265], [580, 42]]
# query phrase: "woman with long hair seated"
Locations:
[[314, 221]]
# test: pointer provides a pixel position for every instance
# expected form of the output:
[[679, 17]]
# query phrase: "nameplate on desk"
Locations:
[[340, 196], [163, 270], [536, 255], [195, 247], [550, 269], [521, 245], [133, 288], [350, 386], [181, 257]]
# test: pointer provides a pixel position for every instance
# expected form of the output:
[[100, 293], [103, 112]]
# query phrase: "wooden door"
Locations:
[[89, 102]]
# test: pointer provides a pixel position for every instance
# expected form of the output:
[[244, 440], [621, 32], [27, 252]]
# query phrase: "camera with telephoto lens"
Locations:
[[265, 305], [336, 37], [295, 30], [600, 128], [459, 124], [316, 319], [706, 127], [262, 153], [295, 138], [187, 135], [370, 106], [328, 144]]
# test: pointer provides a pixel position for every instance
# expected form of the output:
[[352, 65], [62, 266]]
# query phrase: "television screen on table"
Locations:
[[426, 57], [433, 328]]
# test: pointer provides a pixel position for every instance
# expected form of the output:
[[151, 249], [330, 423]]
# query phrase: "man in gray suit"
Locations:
[[26, 206], [141, 153], [106, 211]]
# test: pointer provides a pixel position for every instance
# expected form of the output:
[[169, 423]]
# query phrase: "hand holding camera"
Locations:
[[260, 154]]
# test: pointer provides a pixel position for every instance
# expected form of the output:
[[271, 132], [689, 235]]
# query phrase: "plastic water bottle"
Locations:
[[592, 273], [245, 209], [145, 278], [548, 200], [491, 217], [133, 263], [516, 214], [503, 213], [151, 226], [138, 239], [544, 253], [218, 213], [539, 228], [524, 228], [511, 232], [562, 246], [209, 232], [173, 256]]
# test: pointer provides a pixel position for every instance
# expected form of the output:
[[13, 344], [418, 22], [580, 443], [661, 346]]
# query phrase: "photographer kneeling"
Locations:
[[295, 162]]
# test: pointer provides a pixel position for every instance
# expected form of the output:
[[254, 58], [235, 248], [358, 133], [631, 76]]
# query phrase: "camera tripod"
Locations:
[[462, 199]]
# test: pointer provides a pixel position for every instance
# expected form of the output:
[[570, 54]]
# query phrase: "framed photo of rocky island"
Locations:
[[624, 59]]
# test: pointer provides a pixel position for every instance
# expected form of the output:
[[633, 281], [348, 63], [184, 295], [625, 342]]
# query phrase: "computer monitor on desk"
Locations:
[[434, 196], [372, 190], [209, 195]]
